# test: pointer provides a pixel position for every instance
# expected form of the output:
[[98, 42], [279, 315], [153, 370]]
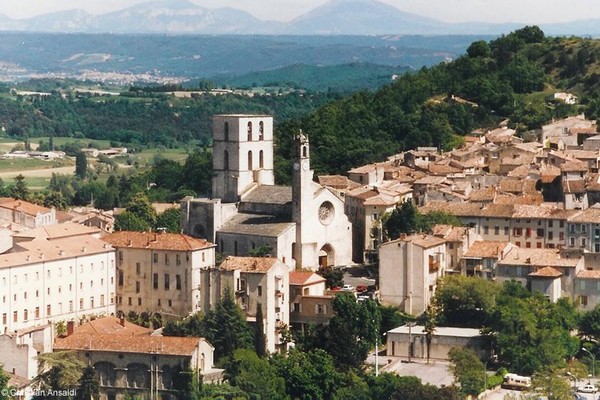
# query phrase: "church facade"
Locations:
[[303, 225]]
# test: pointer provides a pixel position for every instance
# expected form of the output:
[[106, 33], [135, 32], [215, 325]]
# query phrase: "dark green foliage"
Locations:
[[19, 190], [406, 218], [392, 317], [62, 371], [3, 384], [81, 165], [88, 385], [590, 323], [261, 251], [391, 386], [260, 345], [354, 322], [255, 376], [169, 219], [465, 301], [334, 277], [56, 200], [128, 221], [224, 327], [468, 370]]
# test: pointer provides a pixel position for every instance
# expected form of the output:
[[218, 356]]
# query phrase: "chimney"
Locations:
[[70, 327]]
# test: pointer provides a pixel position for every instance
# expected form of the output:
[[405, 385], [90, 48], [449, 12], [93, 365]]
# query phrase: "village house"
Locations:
[[309, 303]]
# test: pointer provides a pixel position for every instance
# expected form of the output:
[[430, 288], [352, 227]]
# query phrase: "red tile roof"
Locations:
[[167, 345], [112, 325], [547, 272], [157, 241], [298, 278]]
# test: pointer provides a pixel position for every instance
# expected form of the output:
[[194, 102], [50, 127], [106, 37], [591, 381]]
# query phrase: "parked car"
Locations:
[[348, 288], [361, 288], [589, 388]]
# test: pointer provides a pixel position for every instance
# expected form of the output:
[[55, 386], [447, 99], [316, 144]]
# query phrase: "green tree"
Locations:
[[553, 383], [479, 48], [169, 219], [260, 345], [88, 385], [56, 200], [590, 323], [19, 190], [354, 322], [255, 376], [128, 221], [307, 374], [81, 165], [334, 277], [4, 378], [465, 301], [62, 371], [468, 370], [140, 206]]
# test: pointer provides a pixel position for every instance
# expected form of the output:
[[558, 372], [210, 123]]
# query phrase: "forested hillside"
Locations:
[[510, 77]]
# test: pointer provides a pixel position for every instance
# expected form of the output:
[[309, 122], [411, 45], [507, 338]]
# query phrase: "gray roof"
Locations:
[[257, 225], [269, 194]]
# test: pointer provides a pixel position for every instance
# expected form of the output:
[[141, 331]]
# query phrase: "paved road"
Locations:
[[501, 394]]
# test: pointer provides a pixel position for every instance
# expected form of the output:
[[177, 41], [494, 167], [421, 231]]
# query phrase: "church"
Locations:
[[303, 225]]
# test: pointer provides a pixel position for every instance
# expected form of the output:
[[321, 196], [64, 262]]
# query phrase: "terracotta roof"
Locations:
[[156, 241], [441, 169], [16, 381], [335, 181], [543, 211], [425, 241], [588, 274], [24, 206], [57, 231], [248, 264], [591, 214], [112, 325], [592, 183], [298, 278], [537, 258], [573, 166], [511, 186], [166, 345], [449, 232], [547, 272], [485, 194], [574, 186], [497, 210], [459, 209], [485, 249]]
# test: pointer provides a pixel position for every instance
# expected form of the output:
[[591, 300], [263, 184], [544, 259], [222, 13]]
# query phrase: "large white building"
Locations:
[[56, 276], [303, 225]]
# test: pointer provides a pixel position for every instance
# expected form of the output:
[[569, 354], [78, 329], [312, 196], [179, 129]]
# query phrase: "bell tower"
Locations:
[[302, 192], [242, 154]]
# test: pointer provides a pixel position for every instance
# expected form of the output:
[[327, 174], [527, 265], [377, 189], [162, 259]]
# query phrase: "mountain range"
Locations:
[[337, 17]]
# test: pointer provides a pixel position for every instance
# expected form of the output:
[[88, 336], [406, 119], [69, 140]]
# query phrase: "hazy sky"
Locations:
[[526, 11]]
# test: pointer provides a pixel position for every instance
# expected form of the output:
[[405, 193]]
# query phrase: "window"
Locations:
[[155, 280], [572, 242], [528, 245], [81, 304], [48, 273], [261, 159], [137, 286], [138, 268], [561, 236], [249, 131], [155, 257], [170, 302], [37, 313], [506, 230], [25, 315], [167, 282], [259, 290], [120, 255], [518, 231], [130, 301], [486, 230], [166, 259], [3, 318], [550, 235], [261, 130], [250, 163], [572, 228], [540, 232], [120, 278], [178, 259], [178, 282], [226, 131], [92, 302], [528, 232], [320, 309], [496, 230], [159, 302], [551, 223], [70, 306], [583, 242], [15, 316], [225, 160], [583, 228], [48, 310], [583, 300], [296, 307], [561, 223], [538, 245], [139, 301]]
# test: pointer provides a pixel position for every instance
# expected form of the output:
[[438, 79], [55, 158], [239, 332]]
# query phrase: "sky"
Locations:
[[523, 11]]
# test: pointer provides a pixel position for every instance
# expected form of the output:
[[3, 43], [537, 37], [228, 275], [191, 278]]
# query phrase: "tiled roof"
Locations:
[[543, 211], [425, 241], [537, 257], [24, 207], [588, 274], [165, 345], [449, 232], [574, 186], [593, 182], [497, 210], [269, 194], [156, 241], [485, 194], [591, 214], [257, 224], [248, 264], [334, 181], [511, 186], [51, 232], [298, 278], [573, 166], [459, 209], [546, 272], [112, 325], [485, 249]]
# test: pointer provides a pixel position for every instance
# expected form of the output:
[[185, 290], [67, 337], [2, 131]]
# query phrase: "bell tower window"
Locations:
[[261, 160], [250, 160], [226, 131], [261, 130], [225, 160], [250, 131]]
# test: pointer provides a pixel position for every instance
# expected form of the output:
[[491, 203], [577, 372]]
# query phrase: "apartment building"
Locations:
[[159, 272]]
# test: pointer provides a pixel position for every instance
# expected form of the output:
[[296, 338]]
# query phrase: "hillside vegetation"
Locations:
[[508, 78]]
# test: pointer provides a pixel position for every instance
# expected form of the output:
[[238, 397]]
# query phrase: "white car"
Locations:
[[589, 388], [348, 288]]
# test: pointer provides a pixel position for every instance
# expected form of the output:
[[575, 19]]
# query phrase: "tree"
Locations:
[[19, 190], [56, 200], [140, 206], [590, 323], [479, 48], [259, 333], [468, 370], [88, 385], [255, 376], [169, 219], [62, 371], [4, 385], [465, 301], [553, 383], [334, 277], [81, 165], [354, 323], [128, 221], [430, 320]]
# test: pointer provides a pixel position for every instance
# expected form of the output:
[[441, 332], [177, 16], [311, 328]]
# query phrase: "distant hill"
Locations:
[[348, 17], [346, 77], [85, 56]]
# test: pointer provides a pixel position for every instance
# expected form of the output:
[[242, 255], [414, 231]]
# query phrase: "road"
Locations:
[[501, 394]]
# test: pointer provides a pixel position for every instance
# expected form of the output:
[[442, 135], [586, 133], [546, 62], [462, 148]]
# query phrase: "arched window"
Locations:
[[226, 130], [261, 160], [250, 131], [304, 151], [261, 130], [250, 160], [225, 160]]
